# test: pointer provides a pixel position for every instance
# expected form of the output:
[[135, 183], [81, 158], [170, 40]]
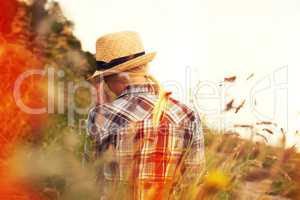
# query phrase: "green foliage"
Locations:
[[57, 27]]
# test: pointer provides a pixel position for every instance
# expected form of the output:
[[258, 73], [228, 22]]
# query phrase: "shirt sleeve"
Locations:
[[94, 129], [193, 163]]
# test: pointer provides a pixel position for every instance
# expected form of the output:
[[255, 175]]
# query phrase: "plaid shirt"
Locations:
[[135, 152]]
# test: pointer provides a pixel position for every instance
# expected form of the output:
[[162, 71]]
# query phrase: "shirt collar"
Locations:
[[141, 88]]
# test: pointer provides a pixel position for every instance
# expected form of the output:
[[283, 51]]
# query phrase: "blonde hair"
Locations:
[[138, 72]]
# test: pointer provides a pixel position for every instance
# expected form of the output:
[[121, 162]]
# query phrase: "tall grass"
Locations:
[[235, 169]]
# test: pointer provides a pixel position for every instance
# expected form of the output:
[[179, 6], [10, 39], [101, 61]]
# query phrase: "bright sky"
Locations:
[[215, 39]]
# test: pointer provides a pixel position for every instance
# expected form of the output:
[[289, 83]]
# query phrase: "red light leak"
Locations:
[[14, 60]]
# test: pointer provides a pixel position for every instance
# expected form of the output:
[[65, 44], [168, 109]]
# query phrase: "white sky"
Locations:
[[215, 38]]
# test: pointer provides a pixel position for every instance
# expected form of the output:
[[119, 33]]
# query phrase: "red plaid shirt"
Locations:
[[136, 153]]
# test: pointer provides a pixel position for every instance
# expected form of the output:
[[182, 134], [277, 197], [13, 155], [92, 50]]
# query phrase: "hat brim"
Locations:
[[131, 64]]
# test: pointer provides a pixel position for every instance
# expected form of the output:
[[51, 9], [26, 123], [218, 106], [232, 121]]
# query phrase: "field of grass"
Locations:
[[255, 170], [235, 169]]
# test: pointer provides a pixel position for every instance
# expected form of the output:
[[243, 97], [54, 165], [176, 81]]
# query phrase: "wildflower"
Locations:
[[217, 180]]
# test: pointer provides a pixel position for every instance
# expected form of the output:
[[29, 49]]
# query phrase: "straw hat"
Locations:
[[119, 52]]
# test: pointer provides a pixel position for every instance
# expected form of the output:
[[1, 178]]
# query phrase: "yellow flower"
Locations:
[[217, 179]]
